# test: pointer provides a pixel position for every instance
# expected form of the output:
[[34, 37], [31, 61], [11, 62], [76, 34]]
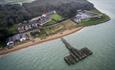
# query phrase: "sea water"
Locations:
[[50, 55]]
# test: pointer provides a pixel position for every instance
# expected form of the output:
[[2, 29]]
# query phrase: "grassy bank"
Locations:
[[95, 21]]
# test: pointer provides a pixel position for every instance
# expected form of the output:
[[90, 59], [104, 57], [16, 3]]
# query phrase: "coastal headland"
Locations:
[[45, 22]]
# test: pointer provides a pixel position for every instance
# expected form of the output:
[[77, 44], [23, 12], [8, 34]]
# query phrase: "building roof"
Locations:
[[84, 14], [35, 22], [16, 37]]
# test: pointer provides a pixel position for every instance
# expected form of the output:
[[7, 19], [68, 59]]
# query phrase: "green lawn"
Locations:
[[54, 19]]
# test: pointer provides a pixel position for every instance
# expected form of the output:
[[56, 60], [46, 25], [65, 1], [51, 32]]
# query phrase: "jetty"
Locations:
[[75, 55]]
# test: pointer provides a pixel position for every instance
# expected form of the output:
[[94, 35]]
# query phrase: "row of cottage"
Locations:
[[34, 23]]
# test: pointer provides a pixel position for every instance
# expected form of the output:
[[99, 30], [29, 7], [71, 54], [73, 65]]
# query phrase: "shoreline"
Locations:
[[38, 41]]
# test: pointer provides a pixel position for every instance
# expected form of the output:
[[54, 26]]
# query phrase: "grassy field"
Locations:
[[60, 27], [54, 19], [68, 24]]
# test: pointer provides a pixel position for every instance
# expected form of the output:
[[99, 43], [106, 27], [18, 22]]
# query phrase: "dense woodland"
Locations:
[[12, 14]]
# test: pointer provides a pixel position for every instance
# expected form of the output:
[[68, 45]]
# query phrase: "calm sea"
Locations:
[[49, 56]]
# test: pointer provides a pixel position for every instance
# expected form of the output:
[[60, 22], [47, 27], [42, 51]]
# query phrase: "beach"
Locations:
[[39, 41]]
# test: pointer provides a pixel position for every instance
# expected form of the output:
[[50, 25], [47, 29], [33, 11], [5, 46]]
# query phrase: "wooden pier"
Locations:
[[75, 55]]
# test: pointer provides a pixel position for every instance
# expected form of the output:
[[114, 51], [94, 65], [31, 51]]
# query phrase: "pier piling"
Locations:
[[75, 55]]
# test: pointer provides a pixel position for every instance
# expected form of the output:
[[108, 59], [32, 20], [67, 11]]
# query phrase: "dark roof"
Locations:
[[16, 37], [34, 23]]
